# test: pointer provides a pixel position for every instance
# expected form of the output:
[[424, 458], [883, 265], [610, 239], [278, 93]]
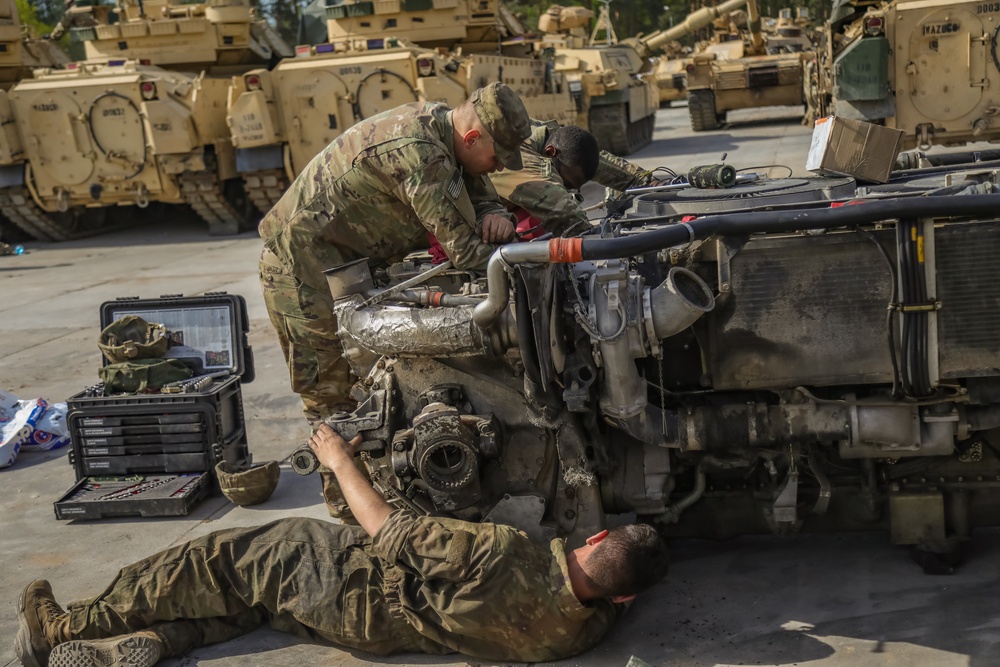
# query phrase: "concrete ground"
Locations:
[[831, 600]]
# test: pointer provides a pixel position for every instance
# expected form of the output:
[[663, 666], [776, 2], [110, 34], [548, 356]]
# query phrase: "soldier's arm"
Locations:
[[539, 191], [367, 504], [440, 199], [484, 199], [620, 174], [551, 203]]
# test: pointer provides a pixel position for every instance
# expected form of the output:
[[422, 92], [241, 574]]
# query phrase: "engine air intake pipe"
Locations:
[[678, 301]]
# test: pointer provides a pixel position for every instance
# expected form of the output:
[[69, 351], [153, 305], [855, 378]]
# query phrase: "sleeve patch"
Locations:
[[460, 548], [455, 184]]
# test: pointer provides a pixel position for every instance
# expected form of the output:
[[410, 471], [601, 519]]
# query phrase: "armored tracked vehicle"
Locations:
[[930, 69], [722, 375], [380, 54], [670, 72], [20, 53], [614, 82], [755, 71], [618, 87], [141, 120]]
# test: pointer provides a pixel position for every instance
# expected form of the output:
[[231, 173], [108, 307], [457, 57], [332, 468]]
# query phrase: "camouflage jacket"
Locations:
[[540, 190], [376, 191], [486, 590]]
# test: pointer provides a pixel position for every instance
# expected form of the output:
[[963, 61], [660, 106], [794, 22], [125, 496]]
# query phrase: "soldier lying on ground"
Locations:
[[417, 584], [375, 192]]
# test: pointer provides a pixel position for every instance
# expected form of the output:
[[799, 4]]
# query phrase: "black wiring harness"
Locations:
[[915, 308]]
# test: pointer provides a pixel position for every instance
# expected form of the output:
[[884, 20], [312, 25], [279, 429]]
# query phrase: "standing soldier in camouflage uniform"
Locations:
[[556, 160], [77, 17], [418, 583], [376, 192]]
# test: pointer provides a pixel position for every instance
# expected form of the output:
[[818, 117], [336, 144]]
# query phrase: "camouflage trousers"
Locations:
[[310, 578], [307, 332]]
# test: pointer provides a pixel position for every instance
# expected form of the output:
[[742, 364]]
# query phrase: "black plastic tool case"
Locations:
[[153, 454]]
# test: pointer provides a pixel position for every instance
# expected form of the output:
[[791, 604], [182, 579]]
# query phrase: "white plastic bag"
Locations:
[[30, 425]]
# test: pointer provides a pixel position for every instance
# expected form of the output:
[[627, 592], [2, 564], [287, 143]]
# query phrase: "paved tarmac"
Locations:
[[825, 601]]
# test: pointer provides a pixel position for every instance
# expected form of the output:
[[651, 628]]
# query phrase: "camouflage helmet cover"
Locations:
[[248, 486]]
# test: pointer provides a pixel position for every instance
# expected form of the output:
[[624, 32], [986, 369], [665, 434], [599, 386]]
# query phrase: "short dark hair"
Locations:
[[628, 561], [576, 147]]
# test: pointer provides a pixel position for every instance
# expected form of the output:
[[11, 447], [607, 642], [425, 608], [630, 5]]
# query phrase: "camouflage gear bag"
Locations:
[[132, 337], [141, 374]]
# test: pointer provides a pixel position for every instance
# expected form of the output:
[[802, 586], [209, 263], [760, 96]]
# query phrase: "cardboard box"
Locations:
[[853, 148]]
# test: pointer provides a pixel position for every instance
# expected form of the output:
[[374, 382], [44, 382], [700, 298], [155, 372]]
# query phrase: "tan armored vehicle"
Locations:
[[614, 82], [20, 53], [141, 120], [670, 72], [756, 70], [617, 84], [929, 68], [380, 54]]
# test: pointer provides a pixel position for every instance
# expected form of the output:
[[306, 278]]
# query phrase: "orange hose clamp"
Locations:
[[565, 251]]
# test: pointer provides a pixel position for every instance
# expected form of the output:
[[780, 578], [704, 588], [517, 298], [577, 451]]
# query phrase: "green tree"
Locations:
[[32, 15]]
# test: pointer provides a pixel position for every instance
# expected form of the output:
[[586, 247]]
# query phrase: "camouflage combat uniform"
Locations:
[[75, 17], [376, 191], [539, 189], [430, 585]]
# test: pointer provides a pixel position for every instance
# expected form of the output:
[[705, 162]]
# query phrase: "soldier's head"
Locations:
[[489, 129], [574, 153], [621, 563]]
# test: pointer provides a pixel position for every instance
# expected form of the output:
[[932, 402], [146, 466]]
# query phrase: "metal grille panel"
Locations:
[[803, 311], [967, 286], [731, 80]]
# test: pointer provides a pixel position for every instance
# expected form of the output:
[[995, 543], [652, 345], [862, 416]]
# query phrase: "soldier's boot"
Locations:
[[140, 649], [41, 624]]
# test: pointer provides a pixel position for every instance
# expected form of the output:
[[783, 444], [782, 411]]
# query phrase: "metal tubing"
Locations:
[[408, 332], [673, 513], [486, 313], [738, 224]]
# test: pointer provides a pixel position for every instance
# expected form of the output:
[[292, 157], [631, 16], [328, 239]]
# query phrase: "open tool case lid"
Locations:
[[208, 333]]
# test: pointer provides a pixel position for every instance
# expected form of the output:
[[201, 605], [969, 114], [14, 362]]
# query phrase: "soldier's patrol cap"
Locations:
[[503, 115]]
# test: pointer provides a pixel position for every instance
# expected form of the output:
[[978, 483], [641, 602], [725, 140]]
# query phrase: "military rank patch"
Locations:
[[455, 184]]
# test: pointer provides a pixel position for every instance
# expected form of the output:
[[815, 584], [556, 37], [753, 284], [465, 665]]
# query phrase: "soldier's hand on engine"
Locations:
[[497, 229], [331, 449]]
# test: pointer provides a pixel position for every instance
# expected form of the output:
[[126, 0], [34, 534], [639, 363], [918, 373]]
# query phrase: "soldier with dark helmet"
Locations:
[[398, 583], [376, 192]]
